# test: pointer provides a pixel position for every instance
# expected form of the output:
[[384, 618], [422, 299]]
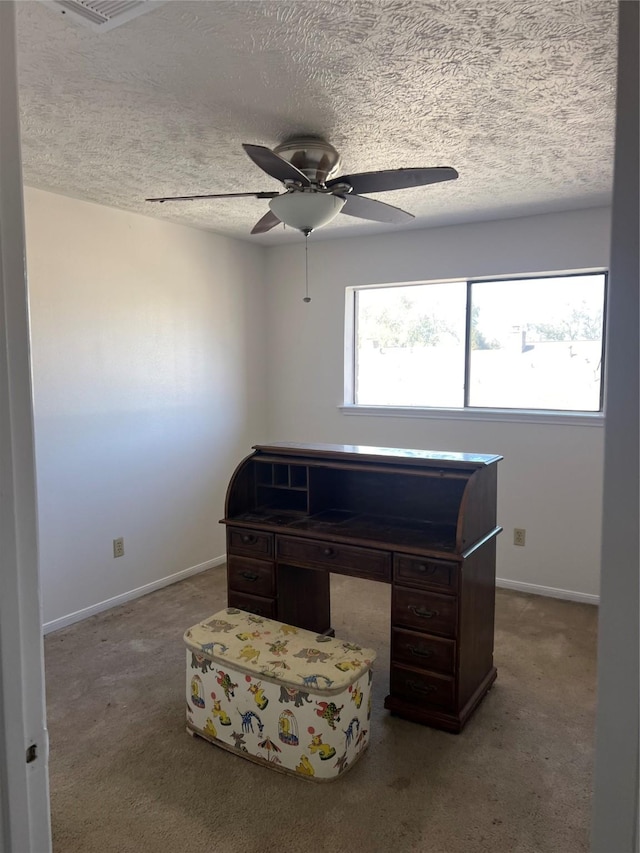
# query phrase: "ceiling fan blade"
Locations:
[[378, 211], [275, 165], [268, 221], [395, 179], [215, 195]]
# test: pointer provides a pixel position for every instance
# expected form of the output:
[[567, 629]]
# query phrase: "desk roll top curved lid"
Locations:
[[274, 651]]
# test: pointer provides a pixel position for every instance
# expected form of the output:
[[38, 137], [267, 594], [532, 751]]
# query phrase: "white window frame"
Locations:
[[466, 413]]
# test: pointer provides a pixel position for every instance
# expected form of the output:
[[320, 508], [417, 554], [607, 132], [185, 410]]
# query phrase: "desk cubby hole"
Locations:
[[298, 476], [281, 487], [273, 499], [264, 474], [282, 475]]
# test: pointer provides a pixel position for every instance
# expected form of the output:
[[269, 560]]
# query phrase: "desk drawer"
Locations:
[[257, 577], [343, 559], [423, 688], [425, 572], [249, 542], [252, 604], [424, 611], [423, 651]]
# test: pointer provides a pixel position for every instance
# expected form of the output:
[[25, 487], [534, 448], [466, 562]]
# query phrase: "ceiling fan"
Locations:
[[311, 198]]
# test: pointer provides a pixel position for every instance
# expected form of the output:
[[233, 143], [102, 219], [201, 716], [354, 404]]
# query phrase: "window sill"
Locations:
[[593, 419]]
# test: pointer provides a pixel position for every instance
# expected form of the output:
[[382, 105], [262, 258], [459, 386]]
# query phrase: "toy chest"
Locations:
[[278, 695]]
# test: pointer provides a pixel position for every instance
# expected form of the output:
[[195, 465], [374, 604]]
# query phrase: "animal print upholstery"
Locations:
[[291, 656]]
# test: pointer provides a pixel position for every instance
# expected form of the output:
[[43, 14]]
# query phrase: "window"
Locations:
[[526, 343]]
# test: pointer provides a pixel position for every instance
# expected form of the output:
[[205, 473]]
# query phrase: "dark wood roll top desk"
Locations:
[[423, 521]]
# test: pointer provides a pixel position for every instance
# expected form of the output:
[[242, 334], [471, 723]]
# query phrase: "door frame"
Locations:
[[24, 779]]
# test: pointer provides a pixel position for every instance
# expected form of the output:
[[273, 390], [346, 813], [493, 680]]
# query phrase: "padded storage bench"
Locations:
[[278, 695]]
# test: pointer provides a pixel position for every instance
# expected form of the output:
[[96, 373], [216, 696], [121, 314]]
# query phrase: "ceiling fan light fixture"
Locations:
[[303, 165], [306, 211]]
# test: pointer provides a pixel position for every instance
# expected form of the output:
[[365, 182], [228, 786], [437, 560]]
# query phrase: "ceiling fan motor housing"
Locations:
[[314, 157]]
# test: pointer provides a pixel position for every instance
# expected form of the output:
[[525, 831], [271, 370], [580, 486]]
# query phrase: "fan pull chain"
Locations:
[[307, 298]]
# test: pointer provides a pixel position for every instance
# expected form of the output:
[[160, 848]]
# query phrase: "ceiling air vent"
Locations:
[[101, 15]]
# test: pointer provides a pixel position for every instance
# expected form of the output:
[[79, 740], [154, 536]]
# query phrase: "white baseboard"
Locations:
[[86, 612], [63, 621], [550, 591]]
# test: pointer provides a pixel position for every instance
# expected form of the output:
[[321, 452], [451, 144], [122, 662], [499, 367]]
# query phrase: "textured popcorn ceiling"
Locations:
[[518, 96]]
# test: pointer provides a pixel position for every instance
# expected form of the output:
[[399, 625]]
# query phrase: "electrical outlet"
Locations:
[[519, 534], [118, 547]]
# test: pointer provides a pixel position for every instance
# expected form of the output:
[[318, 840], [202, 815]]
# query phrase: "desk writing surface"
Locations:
[[407, 534]]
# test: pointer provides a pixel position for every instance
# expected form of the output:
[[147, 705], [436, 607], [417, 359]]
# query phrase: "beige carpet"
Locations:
[[126, 777]]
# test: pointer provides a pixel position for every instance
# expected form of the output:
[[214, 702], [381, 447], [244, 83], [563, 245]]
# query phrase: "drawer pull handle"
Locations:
[[425, 568], [328, 552], [248, 539], [421, 688], [422, 613], [250, 576], [420, 651]]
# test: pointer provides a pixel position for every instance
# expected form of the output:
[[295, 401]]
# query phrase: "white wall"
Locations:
[[550, 481], [150, 384], [148, 369]]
